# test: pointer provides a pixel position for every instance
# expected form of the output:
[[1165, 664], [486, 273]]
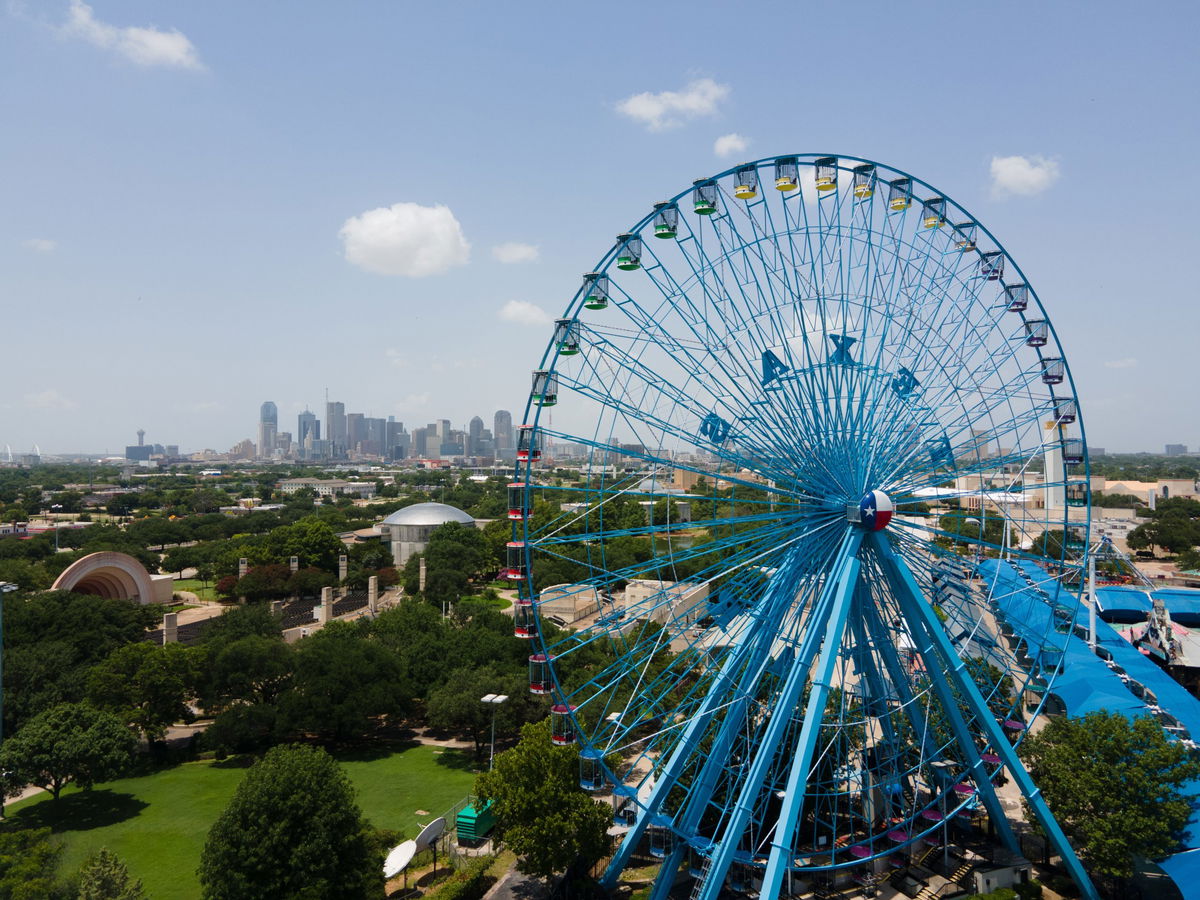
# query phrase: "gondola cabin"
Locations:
[[540, 681], [660, 837], [964, 236], [1016, 297], [666, 220], [518, 508], [1053, 370], [566, 336], [704, 197], [625, 808], [1072, 451], [934, 215], [527, 444], [864, 182], [1065, 411], [745, 182], [562, 726], [991, 265], [1076, 537], [787, 174], [899, 194], [595, 293], [826, 174], [524, 619], [629, 252], [1077, 493], [591, 770], [514, 558], [545, 388], [1037, 332]]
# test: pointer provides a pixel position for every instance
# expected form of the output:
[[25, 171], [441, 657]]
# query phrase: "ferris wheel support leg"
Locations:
[[717, 761], [912, 606], [753, 651], [840, 590], [918, 610]]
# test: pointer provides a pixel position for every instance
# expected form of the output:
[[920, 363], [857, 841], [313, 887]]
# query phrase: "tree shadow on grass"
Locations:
[[80, 811], [457, 759]]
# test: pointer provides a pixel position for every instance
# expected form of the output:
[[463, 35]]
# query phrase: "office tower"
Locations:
[[308, 429], [397, 440], [268, 428], [474, 436], [356, 431], [443, 429], [335, 427], [502, 434]]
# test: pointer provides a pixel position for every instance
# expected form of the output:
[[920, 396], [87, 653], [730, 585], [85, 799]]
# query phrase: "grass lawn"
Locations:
[[197, 587], [157, 823]]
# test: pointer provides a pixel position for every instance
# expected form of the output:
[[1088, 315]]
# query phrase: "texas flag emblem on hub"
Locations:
[[875, 511]]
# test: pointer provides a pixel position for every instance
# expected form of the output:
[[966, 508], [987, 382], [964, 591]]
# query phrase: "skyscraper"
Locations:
[[335, 427], [308, 429], [502, 433], [268, 428], [356, 431], [474, 436]]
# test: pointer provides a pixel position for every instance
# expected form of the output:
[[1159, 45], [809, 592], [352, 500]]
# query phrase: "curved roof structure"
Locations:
[[428, 514], [107, 574]]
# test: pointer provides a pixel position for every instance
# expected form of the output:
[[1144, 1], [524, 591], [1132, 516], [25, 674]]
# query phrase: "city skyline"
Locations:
[[186, 231]]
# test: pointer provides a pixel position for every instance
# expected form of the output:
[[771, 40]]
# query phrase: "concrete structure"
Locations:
[[268, 428], [114, 575], [407, 530], [568, 602], [663, 601], [328, 487]]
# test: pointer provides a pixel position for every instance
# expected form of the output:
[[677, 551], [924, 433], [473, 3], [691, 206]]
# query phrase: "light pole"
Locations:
[[6, 587], [495, 700]]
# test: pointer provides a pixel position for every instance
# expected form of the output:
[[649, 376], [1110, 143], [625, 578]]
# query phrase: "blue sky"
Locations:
[[185, 212]]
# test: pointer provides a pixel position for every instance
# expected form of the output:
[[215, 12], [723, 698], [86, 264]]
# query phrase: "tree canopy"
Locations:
[[292, 830], [542, 814], [1114, 785], [71, 742]]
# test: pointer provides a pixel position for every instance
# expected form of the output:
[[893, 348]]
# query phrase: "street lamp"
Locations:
[[495, 700], [6, 587]]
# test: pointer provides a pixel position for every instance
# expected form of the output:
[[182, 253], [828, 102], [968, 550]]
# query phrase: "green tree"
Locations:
[[343, 681], [455, 705], [254, 669], [28, 860], [146, 685], [292, 830], [68, 743], [104, 877], [1114, 785], [541, 812]]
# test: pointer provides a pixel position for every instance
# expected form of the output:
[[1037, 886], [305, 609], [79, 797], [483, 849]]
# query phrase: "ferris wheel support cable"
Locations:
[[909, 596], [837, 594]]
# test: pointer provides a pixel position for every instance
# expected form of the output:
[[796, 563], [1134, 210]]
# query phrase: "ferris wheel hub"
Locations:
[[875, 511]]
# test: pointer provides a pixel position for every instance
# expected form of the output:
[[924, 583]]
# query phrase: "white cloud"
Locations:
[[668, 109], [514, 252], [1127, 362], [49, 399], [1024, 175], [729, 144], [524, 313], [40, 245], [143, 46], [405, 239]]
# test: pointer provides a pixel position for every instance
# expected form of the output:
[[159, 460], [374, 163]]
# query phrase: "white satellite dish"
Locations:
[[430, 833], [397, 861]]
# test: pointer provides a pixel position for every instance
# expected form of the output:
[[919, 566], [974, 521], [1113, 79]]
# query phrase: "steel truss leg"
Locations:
[[751, 654], [839, 588], [718, 756], [917, 610]]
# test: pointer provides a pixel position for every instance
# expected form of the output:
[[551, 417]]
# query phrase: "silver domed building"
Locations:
[[407, 531]]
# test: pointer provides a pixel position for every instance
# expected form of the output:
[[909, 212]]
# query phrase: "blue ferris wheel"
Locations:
[[775, 440]]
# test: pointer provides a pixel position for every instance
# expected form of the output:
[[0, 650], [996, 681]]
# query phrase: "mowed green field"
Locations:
[[157, 823]]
